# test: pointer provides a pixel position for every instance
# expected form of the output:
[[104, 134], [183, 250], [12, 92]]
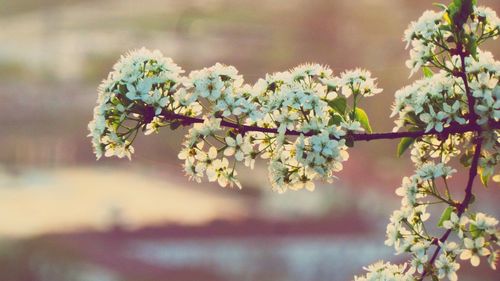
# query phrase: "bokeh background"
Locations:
[[64, 216]]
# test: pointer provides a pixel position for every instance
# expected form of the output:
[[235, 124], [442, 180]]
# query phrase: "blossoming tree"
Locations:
[[303, 121]]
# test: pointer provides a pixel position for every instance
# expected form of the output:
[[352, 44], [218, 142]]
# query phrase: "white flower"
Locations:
[[250, 159], [420, 257], [489, 18], [485, 223], [228, 105], [493, 259], [447, 268], [456, 223], [409, 191], [154, 125], [381, 271], [190, 151], [359, 82], [434, 120], [453, 112], [430, 170], [286, 119], [205, 161], [425, 27], [156, 99], [420, 53], [353, 126], [210, 88], [138, 81], [193, 171], [450, 248], [474, 249], [237, 146], [393, 234]]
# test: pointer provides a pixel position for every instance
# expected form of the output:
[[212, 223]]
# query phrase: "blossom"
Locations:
[[456, 223], [485, 223], [425, 27], [493, 259], [193, 171], [473, 249], [140, 79], [190, 151], [453, 112], [154, 125], [385, 272], [237, 146], [205, 160], [447, 268], [434, 120], [359, 82]]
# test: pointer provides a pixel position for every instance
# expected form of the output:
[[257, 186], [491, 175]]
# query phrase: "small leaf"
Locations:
[[338, 104], [403, 145], [485, 176], [411, 118], [427, 72], [440, 5], [363, 119], [472, 46], [466, 158], [445, 216], [474, 231], [335, 119]]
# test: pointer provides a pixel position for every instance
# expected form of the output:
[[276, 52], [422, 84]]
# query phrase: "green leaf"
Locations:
[[335, 119], [440, 5], [412, 118], [452, 10], [466, 158], [474, 231], [445, 216], [427, 72], [403, 145], [472, 46], [363, 119], [485, 176], [339, 104]]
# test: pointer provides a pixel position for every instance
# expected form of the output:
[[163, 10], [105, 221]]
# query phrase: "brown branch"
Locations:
[[472, 117], [463, 205], [453, 129], [463, 74]]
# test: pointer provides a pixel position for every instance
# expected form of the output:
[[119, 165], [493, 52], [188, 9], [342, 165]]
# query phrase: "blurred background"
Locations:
[[64, 216]]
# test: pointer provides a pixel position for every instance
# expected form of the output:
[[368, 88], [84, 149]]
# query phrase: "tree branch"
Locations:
[[475, 160], [453, 129], [463, 205]]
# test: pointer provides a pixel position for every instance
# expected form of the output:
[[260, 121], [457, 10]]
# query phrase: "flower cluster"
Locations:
[[434, 34], [464, 91], [431, 103], [147, 91], [381, 271], [477, 233], [141, 85]]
